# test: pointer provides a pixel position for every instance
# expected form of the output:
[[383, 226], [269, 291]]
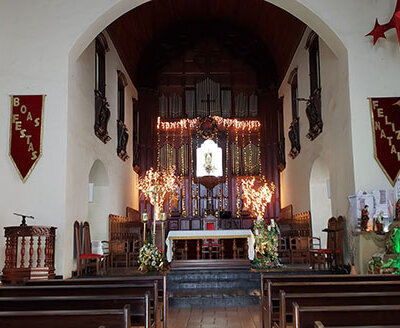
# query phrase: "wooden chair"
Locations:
[[84, 260], [134, 249], [119, 252], [318, 256], [87, 246], [299, 250], [210, 247], [284, 250]]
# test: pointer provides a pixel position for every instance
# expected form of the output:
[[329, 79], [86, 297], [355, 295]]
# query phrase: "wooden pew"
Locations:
[[150, 287], [319, 324], [139, 305], [67, 319], [134, 279], [299, 278], [271, 295], [349, 315], [329, 299]]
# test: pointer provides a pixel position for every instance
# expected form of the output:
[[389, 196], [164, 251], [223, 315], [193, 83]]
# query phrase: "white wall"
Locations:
[[41, 43], [84, 148], [332, 146]]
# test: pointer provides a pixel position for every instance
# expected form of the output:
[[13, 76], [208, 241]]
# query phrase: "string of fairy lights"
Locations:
[[244, 159]]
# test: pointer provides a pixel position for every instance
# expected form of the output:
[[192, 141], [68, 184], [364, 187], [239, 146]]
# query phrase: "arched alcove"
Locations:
[[98, 205], [320, 201], [297, 9]]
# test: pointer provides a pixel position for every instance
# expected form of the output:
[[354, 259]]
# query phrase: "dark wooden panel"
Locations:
[[276, 29]]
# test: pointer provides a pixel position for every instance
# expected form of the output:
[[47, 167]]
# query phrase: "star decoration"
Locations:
[[397, 103], [379, 30]]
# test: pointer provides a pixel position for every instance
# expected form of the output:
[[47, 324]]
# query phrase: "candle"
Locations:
[[145, 217], [163, 216]]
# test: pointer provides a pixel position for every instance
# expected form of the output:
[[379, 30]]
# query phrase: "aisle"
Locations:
[[223, 317]]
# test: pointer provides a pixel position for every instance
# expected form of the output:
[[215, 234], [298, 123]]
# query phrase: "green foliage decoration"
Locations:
[[266, 245]]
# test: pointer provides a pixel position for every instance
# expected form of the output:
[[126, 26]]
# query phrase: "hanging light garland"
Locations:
[[226, 123], [256, 199]]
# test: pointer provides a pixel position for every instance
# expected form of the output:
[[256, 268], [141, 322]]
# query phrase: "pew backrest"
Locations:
[[67, 319], [329, 299], [138, 279], [139, 305], [350, 315], [273, 288]]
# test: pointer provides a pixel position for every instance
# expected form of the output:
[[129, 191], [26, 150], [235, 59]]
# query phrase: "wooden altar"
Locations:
[[25, 247]]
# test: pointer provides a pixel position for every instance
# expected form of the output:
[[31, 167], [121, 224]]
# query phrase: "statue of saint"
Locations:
[[208, 166], [364, 218]]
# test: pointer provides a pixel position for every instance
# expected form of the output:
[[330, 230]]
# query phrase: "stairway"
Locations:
[[213, 288]]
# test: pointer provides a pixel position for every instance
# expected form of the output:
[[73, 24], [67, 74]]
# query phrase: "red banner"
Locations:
[[385, 114], [26, 132]]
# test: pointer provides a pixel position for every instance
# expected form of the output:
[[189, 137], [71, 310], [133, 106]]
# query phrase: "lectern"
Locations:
[[29, 253]]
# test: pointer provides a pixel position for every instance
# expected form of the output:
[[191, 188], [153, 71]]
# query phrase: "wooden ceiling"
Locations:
[[152, 33]]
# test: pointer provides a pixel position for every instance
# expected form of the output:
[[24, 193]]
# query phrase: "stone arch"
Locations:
[[297, 9], [320, 198], [98, 204]]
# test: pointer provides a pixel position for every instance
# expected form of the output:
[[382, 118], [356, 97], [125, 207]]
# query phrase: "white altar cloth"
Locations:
[[210, 234]]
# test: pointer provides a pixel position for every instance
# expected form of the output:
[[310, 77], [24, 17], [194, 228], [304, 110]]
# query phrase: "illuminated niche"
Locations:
[[209, 159]]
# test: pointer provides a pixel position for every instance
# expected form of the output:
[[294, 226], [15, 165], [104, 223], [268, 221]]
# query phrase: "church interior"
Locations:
[[200, 163]]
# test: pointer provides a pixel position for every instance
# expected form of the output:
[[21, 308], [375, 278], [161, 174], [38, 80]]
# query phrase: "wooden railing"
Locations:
[[25, 246]]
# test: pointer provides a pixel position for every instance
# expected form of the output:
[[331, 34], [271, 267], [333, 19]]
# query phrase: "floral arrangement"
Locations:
[[207, 128], [266, 245], [150, 258]]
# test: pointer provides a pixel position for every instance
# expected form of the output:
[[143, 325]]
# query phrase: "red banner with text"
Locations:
[[385, 114], [26, 132]]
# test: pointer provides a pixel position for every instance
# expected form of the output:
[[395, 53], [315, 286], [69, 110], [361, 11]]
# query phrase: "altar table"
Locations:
[[210, 234]]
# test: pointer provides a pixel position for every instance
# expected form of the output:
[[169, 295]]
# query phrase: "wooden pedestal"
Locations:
[[29, 253]]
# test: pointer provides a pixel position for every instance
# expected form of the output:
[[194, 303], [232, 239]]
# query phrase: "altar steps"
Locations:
[[213, 288]]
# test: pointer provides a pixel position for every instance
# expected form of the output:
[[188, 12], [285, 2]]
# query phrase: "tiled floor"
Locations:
[[228, 317]]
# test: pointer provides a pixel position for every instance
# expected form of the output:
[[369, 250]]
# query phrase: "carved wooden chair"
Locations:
[[211, 247], [284, 250], [318, 256], [87, 247], [119, 252], [84, 260], [299, 250]]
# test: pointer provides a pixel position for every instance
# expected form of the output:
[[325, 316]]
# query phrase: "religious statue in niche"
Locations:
[[364, 218], [102, 116], [313, 111], [175, 210], [209, 159], [136, 153], [208, 165], [281, 155], [123, 137], [294, 137]]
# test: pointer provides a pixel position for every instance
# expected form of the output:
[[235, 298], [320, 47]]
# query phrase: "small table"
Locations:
[[210, 234]]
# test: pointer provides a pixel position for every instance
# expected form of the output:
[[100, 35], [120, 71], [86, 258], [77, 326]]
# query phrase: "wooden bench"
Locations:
[[116, 290], [329, 299], [134, 279], [271, 295], [139, 305], [67, 319], [314, 278], [319, 324], [349, 315]]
